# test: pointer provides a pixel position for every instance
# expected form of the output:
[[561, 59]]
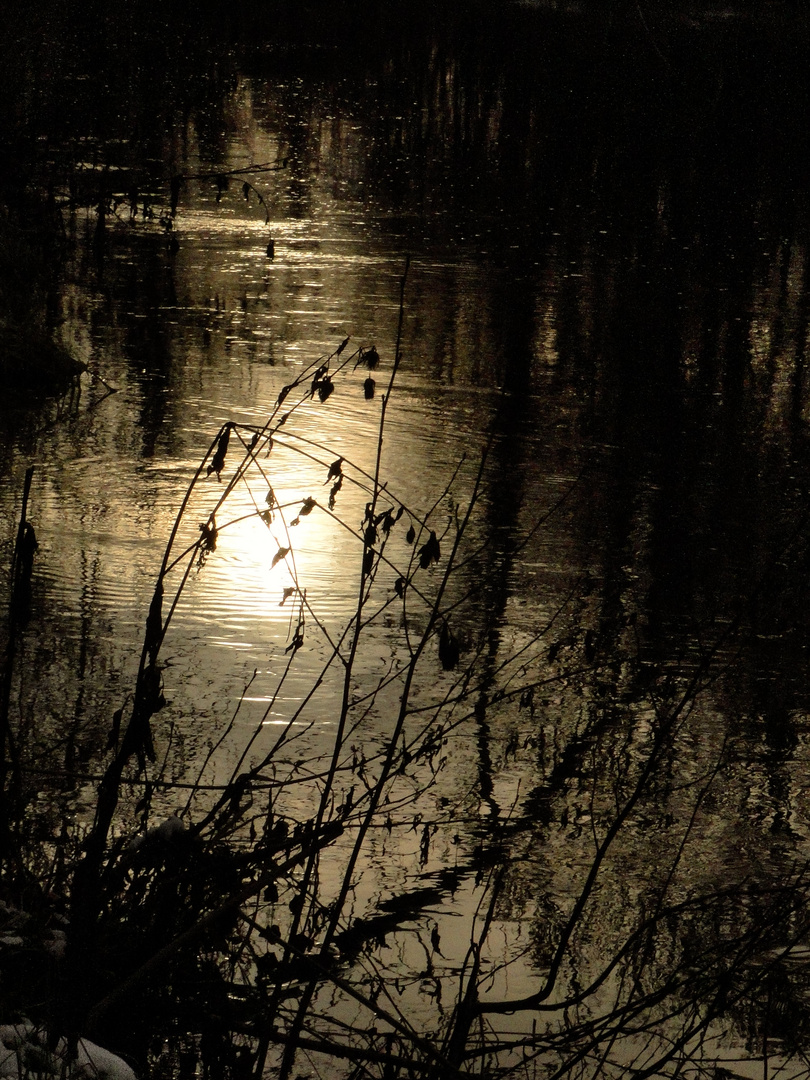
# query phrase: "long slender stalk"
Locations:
[[17, 584]]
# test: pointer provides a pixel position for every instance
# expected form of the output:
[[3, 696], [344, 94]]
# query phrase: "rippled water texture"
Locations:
[[608, 275]]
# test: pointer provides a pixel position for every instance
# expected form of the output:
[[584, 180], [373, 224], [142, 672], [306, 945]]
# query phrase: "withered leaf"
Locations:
[[341, 346], [282, 553], [369, 357], [338, 484], [318, 375], [307, 506], [286, 595], [368, 561], [218, 460], [335, 469], [296, 643], [410, 535], [430, 552], [246, 191], [325, 388], [369, 387], [399, 586], [208, 535], [270, 497], [283, 393]]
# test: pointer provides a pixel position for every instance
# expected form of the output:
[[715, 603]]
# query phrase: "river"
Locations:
[[607, 293]]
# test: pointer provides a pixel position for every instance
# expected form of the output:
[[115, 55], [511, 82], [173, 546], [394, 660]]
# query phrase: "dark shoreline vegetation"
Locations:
[[231, 938], [208, 940]]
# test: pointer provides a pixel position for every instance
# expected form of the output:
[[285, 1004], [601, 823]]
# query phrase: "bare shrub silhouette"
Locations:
[[234, 935]]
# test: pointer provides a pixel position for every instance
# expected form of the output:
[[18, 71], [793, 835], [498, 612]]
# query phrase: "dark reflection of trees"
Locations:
[[507, 486], [143, 292], [645, 191], [661, 168]]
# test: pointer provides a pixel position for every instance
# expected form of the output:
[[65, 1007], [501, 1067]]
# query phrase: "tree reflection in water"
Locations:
[[609, 274]]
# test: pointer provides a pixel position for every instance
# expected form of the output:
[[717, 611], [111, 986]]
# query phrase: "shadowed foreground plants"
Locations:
[[342, 902]]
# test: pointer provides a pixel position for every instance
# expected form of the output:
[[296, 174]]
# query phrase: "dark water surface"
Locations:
[[609, 273]]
